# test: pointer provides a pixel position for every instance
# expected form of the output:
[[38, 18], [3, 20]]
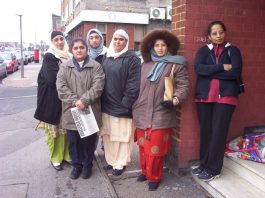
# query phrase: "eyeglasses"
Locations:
[[120, 39], [57, 39], [216, 33]]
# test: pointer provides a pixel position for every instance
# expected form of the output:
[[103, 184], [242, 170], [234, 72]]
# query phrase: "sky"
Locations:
[[36, 20]]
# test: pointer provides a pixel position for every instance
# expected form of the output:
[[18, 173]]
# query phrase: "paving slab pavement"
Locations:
[[26, 171], [30, 76]]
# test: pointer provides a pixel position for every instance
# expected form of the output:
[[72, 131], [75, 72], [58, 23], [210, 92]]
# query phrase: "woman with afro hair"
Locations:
[[153, 118]]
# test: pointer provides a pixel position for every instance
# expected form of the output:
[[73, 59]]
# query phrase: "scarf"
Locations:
[[217, 51], [77, 65], [101, 49], [60, 54], [158, 68], [110, 51]]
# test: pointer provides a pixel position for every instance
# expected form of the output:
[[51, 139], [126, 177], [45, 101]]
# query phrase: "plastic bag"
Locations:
[[248, 147]]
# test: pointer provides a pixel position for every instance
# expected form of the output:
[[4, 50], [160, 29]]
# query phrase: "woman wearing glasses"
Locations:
[[122, 70], [218, 65], [49, 106]]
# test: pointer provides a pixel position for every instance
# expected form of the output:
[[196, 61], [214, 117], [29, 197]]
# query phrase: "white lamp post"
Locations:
[[21, 47]]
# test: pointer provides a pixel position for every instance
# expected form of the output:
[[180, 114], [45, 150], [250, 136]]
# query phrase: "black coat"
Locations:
[[207, 69], [49, 107], [99, 58], [122, 84]]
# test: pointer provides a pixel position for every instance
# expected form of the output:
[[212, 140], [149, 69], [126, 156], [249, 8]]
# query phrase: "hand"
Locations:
[[175, 101], [80, 105], [227, 67]]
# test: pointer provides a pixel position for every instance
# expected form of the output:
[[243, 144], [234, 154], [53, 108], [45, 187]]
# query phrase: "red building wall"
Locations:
[[129, 28], [84, 27], [244, 20]]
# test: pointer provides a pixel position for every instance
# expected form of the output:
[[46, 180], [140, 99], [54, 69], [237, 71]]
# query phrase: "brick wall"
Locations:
[[87, 27], [245, 29], [129, 28]]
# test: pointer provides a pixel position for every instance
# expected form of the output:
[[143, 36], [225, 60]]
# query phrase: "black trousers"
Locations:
[[214, 119], [81, 149]]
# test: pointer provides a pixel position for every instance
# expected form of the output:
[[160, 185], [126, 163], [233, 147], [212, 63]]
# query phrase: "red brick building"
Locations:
[[244, 20], [136, 17]]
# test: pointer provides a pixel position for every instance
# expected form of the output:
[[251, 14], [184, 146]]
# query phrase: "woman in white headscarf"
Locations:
[[122, 70], [49, 106]]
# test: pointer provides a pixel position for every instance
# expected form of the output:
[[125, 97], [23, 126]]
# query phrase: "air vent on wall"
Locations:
[[169, 12], [157, 13]]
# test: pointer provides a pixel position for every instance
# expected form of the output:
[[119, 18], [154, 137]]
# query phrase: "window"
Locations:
[[120, 26], [138, 32], [138, 36], [102, 27], [136, 46]]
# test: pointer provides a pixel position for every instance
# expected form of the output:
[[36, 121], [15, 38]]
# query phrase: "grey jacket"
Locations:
[[147, 110], [86, 84]]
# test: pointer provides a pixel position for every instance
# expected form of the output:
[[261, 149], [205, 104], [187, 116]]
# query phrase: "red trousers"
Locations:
[[153, 146]]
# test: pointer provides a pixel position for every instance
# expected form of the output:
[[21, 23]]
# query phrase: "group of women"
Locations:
[[127, 100]]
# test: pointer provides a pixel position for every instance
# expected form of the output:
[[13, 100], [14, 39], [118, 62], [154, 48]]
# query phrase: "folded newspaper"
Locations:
[[85, 121]]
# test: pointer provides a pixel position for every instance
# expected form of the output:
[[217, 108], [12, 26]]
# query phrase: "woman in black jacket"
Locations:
[[218, 66], [49, 107], [122, 69]]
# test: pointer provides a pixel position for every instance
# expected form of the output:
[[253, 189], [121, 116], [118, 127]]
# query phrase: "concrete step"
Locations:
[[253, 172], [233, 183]]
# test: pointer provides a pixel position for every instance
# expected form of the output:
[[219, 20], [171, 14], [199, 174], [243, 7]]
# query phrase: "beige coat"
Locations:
[[147, 110], [86, 85]]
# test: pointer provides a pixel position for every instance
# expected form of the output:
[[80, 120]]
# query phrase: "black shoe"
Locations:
[[108, 167], [141, 178], [198, 170], [152, 186], [86, 173], [207, 175], [75, 173], [57, 167], [67, 162], [117, 172]]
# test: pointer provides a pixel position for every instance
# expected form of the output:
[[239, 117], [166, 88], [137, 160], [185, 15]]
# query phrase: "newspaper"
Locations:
[[85, 121]]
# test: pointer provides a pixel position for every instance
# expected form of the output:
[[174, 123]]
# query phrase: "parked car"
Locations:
[[11, 61], [28, 56], [31, 55], [18, 56], [3, 71]]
